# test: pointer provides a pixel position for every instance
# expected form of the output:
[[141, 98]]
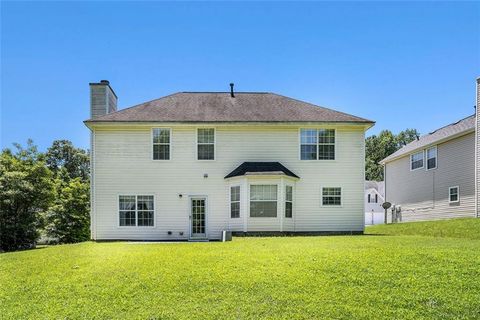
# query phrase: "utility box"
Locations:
[[226, 235]]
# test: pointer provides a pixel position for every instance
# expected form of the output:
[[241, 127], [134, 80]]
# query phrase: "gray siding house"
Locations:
[[436, 176]]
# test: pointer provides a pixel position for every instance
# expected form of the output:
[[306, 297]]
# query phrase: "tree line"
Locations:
[[44, 195]]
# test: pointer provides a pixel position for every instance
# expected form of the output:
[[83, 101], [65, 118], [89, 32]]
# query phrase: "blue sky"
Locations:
[[404, 65]]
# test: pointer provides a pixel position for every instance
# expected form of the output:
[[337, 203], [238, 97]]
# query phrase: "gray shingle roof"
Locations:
[[221, 107], [441, 134]]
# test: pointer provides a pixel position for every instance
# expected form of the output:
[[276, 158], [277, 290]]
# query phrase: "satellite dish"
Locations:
[[386, 205]]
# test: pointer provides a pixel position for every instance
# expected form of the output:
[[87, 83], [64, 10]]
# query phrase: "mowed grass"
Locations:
[[341, 277], [453, 228]]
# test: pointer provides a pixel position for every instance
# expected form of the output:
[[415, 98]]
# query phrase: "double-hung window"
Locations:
[[288, 201], [453, 194], [263, 201], [317, 144], [416, 160], [235, 202], [136, 211], [331, 196], [206, 144], [432, 158], [161, 143]]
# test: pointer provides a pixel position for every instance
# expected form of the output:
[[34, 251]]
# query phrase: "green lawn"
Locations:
[[454, 228], [342, 277]]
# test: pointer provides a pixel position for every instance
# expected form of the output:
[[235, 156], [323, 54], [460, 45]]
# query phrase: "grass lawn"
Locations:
[[342, 277]]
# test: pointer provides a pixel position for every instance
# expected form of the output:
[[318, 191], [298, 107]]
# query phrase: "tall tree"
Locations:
[[406, 136], [68, 220], [26, 190], [63, 155], [379, 147]]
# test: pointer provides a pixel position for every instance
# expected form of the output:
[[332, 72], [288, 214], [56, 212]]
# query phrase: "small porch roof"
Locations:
[[261, 168]]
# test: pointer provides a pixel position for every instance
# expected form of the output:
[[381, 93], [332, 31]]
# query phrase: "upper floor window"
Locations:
[[263, 201], [161, 144], [136, 211], [235, 202], [453, 194], [416, 160], [432, 158], [332, 196], [288, 201], [317, 144], [206, 144]]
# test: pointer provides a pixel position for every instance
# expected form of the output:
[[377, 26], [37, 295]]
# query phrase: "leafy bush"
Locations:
[[68, 220], [26, 190]]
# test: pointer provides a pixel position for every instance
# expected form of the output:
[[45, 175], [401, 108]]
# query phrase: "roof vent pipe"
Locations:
[[231, 90]]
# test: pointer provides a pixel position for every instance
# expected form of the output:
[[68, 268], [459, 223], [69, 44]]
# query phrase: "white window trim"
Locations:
[[239, 201], [436, 158], [423, 162], [169, 145], [300, 144], [214, 144], [285, 200], [260, 183], [136, 211], [331, 205], [458, 194]]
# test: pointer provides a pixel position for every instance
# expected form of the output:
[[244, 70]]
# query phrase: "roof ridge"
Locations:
[[228, 92], [448, 125]]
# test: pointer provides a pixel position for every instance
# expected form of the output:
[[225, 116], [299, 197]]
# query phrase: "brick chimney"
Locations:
[[103, 99]]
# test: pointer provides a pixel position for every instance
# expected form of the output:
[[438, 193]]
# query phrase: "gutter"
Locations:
[[91, 124]]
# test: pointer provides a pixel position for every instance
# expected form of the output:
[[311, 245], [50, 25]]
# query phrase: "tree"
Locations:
[[63, 155], [379, 147], [68, 220], [26, 190], [407, 136]]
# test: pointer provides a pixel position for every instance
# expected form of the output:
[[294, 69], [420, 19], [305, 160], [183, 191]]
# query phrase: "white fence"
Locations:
[[372, 218]]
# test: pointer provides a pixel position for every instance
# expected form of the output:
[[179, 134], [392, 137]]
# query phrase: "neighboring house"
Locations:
[[434, 177], [192, 164], [374, 198]]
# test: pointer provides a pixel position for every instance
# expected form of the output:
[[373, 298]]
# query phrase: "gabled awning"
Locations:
[[261, 168]]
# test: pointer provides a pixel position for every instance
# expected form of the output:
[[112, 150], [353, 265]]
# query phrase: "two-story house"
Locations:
[[435, 176], [192, 164]]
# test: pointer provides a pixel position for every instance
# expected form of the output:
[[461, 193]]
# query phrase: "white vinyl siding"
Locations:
[[161, 143], [123, 167], [206, 144], [416, 160]]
